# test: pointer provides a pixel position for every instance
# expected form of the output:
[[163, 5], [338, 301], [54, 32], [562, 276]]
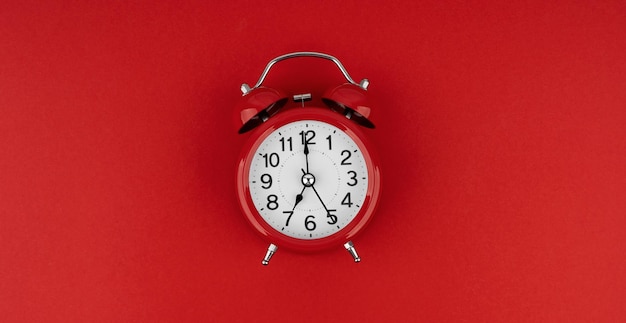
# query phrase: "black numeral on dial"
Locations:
[[347, 200], [289, 217], [348, 154], [309, 224], [307, 137], [271, 159], [332, 219], [267, 180], [272, 202], [286, 142], [353, 178]]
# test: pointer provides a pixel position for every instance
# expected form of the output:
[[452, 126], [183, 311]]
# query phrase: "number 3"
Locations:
[[352, 178]]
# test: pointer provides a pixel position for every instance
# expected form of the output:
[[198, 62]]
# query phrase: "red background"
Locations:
[[500, 126]]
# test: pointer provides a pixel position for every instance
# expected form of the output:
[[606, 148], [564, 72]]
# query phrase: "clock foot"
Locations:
[[268, 255], [350, 247]]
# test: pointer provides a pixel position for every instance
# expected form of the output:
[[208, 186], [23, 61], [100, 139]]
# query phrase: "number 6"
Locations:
[[309, 224]]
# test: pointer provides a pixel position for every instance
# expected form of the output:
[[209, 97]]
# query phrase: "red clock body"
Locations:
[[307, 177]]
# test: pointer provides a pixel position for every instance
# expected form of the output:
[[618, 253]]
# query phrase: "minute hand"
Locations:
[[306, 155], [332, 219]]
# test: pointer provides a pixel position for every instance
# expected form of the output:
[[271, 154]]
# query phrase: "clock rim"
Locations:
[[360, 220]]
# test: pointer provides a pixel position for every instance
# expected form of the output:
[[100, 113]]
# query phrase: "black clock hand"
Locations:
[[306, 155], [332, 217], [318, 196], [298, 200]]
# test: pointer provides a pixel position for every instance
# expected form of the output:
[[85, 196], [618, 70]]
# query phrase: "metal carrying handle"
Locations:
[[245, 88]]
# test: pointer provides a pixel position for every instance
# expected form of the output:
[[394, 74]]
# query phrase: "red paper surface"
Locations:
[[500, 127]]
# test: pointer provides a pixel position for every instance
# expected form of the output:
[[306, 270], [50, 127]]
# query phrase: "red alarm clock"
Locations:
[[307, 177]]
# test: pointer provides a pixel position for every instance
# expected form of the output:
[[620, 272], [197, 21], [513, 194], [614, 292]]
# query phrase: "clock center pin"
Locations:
[[308, 179]]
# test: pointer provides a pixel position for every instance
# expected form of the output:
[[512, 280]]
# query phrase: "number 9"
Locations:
[[266, 179]]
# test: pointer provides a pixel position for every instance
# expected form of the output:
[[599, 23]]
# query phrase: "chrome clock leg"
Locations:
[[268, 255], [350, 247]]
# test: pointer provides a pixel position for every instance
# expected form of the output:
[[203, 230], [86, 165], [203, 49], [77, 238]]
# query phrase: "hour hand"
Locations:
[[298, 198]]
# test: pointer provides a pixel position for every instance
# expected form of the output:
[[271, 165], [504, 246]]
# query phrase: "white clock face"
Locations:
[[308, 179]]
